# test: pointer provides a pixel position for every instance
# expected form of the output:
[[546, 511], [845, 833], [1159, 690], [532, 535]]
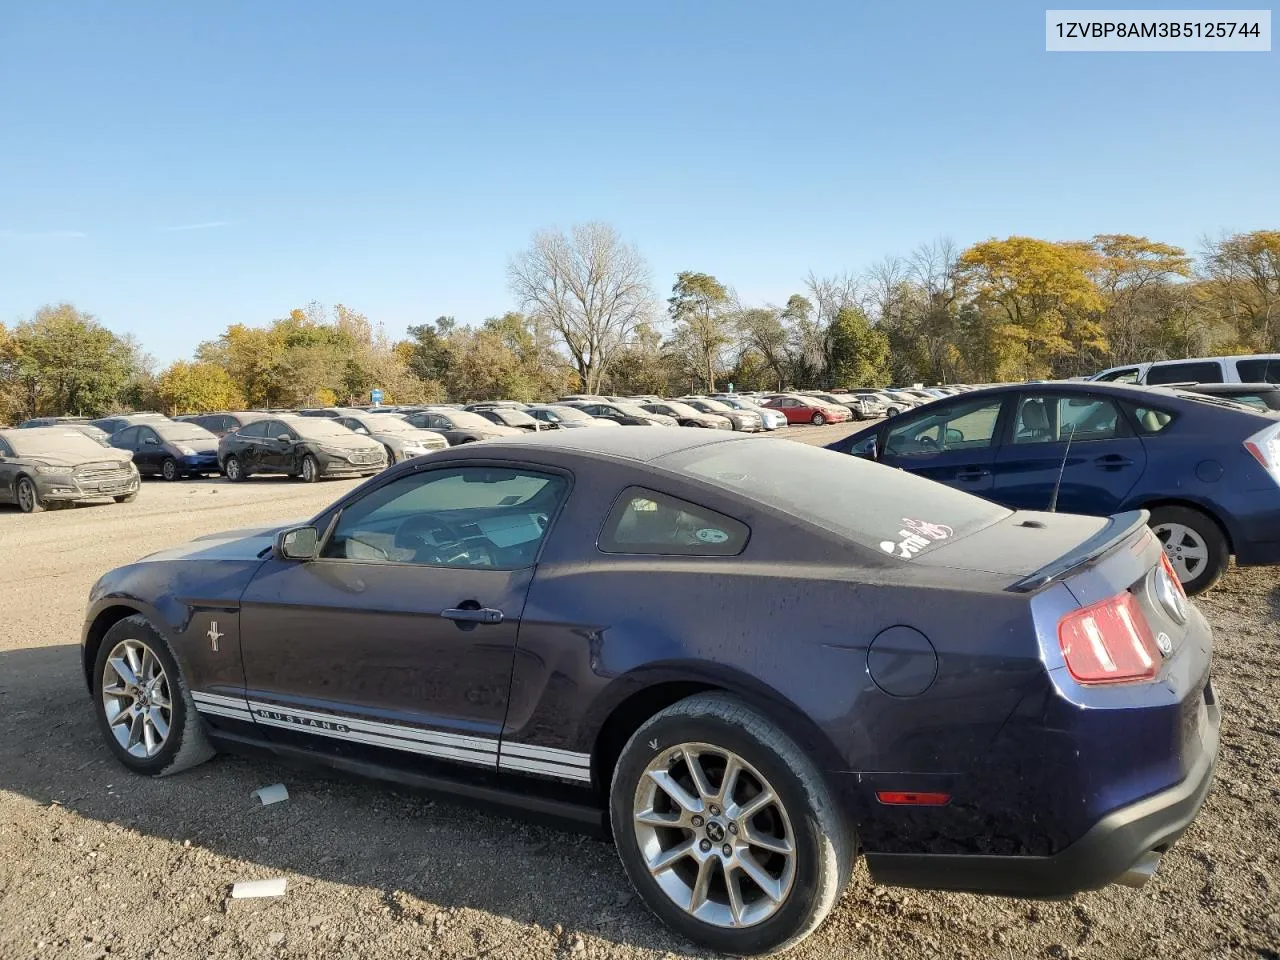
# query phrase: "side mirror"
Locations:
[[954, 436], [362, 430], [298, 543], [867, 449], [151, 441], [284, 438]]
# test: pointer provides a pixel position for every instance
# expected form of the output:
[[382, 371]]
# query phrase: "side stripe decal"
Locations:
[[483, 751]]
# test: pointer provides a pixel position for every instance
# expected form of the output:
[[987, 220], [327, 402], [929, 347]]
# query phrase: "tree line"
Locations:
[[587, 319]]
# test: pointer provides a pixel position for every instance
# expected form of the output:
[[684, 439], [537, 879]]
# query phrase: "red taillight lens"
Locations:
[[1168, 569], [1109, 642]]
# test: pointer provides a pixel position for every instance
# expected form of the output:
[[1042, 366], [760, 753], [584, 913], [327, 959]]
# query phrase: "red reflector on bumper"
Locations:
[[899, 798]]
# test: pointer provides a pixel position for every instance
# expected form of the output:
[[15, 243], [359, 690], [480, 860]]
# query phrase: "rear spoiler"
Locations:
[[1119, 529]]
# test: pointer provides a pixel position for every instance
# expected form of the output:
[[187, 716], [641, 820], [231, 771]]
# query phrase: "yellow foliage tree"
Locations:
[[194, 387]]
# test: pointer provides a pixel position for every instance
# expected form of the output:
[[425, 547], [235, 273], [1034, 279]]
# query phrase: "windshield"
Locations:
[[866, 502], [568, 413], [514, 418], [631, 410], [680, 409], [386, 423], [182, 432], [318, 428], [468, 420], [54, 442], [715, 405]]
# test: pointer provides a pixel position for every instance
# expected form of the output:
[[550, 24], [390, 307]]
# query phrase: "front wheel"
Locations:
[[818, 419], [144, 707], [391, 456], [726, 828], [310, 469], [169, 469], [1195, 545], [28, 497], [233, 469]]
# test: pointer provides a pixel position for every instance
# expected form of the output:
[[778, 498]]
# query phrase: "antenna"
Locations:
[[1062, 468]]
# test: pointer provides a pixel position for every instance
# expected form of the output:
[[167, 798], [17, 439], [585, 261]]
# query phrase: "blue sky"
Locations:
[[173, 168]]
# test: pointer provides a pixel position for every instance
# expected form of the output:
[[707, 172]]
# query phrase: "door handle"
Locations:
[[971, 473], [1112, 461], [472, 614]]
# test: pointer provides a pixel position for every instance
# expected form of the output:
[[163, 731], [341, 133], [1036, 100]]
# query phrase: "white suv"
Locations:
[[1255, 368]]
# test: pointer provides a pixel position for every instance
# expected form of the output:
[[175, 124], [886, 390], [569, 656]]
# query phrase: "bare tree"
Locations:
[[589, 288]]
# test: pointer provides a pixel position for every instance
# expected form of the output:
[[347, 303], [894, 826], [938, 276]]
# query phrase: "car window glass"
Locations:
[[461, 517], [1049, 419], [1150, 420], [1128, 375], [961, 426], [255, 429], [1250, 400], [125, 438], [643, 521], [1262, 370], [4, 450], [1209, 371]]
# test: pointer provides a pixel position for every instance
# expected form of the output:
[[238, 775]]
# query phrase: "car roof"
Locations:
[[640, 443]]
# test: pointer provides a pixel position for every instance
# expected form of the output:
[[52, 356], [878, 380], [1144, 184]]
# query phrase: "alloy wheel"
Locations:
[[26, 496], [169, 470], [136, 699], [233, 468], [308, 469], [1185, 548], [714, 835]]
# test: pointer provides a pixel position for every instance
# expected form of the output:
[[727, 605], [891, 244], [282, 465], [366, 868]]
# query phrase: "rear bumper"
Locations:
[[1107, 851]]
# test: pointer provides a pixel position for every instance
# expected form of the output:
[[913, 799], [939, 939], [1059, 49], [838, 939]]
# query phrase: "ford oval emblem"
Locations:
[[1164, 643]]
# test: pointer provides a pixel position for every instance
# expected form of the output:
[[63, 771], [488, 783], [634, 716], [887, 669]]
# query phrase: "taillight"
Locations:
[[1265, 448], [1169, 590], [1109, 642]]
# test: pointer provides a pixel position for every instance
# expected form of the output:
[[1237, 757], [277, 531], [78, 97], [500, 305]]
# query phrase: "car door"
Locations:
[[399, 638], [1082, 436], [246, 444], [952, 442], [149, 451], [8, 472], [276, 455], [127, 439]]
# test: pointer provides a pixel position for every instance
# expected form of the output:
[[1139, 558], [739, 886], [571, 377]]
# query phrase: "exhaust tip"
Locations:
[[1142, 871]]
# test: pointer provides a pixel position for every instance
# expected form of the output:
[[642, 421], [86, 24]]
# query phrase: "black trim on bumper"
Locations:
[[1110, 848]]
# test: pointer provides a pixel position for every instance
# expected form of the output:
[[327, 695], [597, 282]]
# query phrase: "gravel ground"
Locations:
[[100, 863]]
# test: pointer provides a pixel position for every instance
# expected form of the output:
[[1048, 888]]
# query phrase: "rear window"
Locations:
[[1261, 370], [880, 508], [1206, 371]]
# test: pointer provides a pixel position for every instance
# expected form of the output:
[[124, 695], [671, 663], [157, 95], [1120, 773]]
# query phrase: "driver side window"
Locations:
[[487, 517], [960, 426]]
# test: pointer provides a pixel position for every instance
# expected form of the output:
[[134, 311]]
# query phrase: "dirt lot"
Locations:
[[98, 863]]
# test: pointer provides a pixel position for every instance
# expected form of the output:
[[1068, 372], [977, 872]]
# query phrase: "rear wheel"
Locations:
[[143, 704], [233, 469], [310, 469], [726, 828], [818, 419], [1195, 545], [27, 496], [169, 469]]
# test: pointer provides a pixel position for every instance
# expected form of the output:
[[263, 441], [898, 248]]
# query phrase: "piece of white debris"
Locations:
[[249, 889], [272, 794]]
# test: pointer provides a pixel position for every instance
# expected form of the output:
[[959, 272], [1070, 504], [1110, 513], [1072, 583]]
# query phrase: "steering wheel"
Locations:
[[927, 443], [435, 540]]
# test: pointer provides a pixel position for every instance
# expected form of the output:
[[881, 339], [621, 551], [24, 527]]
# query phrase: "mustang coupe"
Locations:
[[972, 698]]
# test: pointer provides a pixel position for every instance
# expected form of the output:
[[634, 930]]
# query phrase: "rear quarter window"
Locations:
[[883, 509], [1206, 371], [644, 521], [1259, 370]]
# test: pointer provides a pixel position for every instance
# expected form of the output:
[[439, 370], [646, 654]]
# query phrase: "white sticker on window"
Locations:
[[915, 536], [711, 535]]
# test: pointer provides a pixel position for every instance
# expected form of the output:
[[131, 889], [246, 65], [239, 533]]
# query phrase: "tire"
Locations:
[[169, 470], [127, 498], [184, 744], [1195, 545], [310, 472], [391, 456], [234, 470], [807, 881], [892, 412], [817, 419], [27, 496]]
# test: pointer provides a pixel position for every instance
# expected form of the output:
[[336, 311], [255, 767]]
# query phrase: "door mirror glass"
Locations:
[[954, 436], [297, 544], [362, 430], [151, 441], [867, 449], [283, 438]]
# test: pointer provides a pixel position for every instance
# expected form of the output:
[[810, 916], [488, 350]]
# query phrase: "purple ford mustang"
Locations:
[[750, 667]]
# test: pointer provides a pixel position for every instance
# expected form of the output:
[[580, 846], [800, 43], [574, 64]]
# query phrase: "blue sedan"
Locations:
[[1207, 470]]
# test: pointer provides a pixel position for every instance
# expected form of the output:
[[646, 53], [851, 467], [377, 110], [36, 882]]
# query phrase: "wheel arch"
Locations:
[[1155, 503], [633, 700], [97, 628]]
